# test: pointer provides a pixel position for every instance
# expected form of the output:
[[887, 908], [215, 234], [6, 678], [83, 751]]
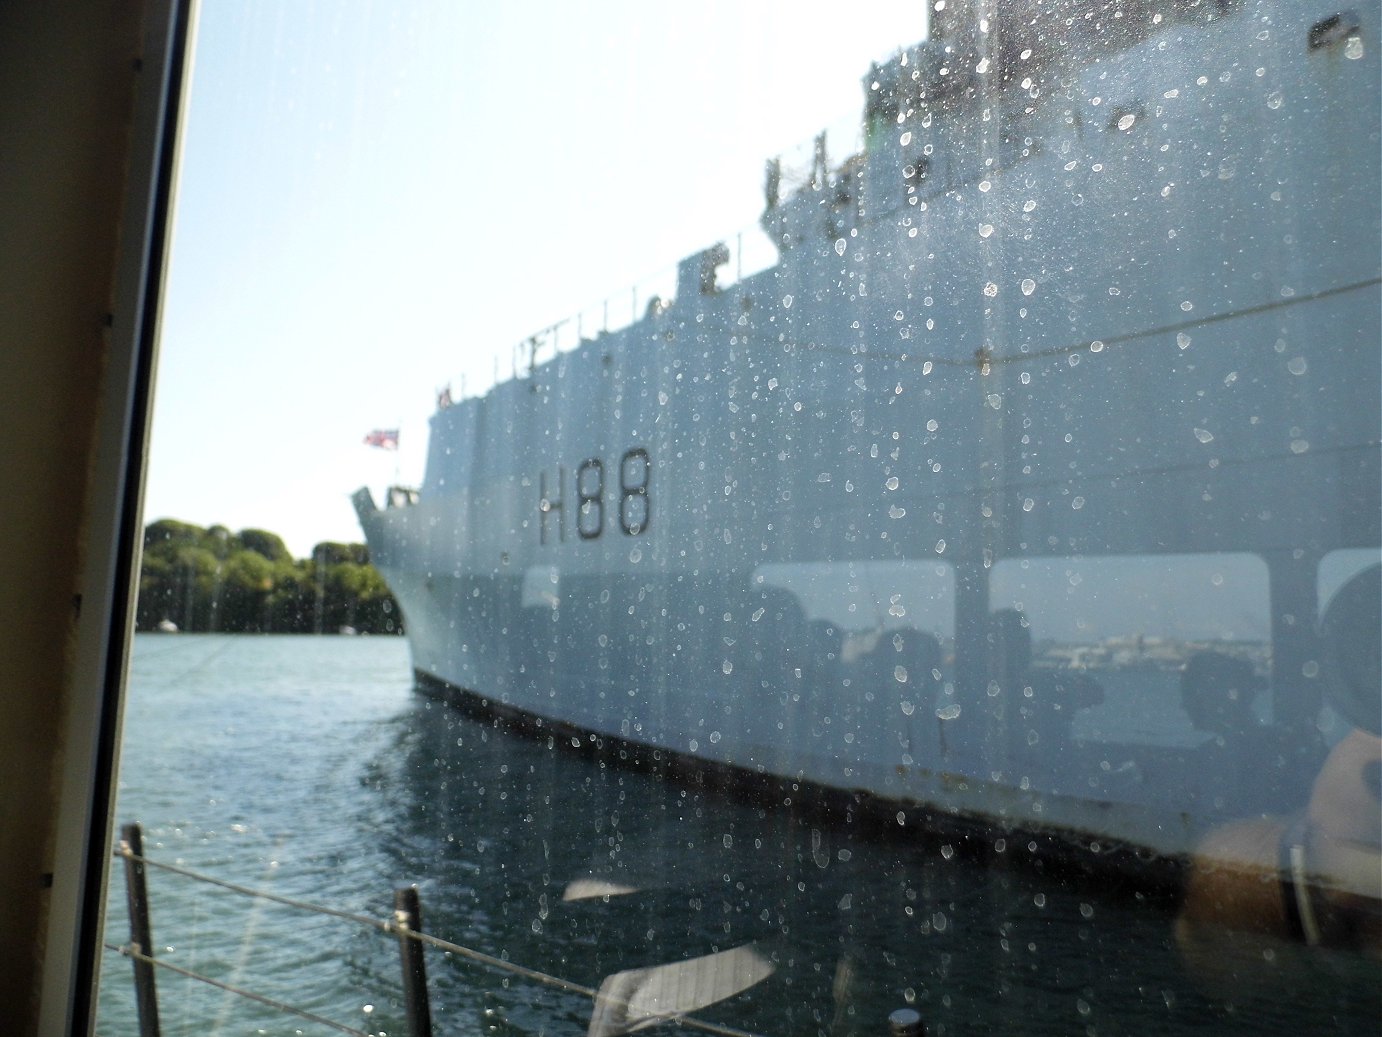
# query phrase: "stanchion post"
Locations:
[[141, 936], [407, 913], [906, 1022]]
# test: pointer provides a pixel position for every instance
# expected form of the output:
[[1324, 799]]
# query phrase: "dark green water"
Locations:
[[307, 767]]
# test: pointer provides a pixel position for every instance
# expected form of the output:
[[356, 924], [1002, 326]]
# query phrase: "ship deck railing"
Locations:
[[750, 252]]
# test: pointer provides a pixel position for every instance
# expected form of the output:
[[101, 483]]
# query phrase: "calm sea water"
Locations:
[[309, 768]]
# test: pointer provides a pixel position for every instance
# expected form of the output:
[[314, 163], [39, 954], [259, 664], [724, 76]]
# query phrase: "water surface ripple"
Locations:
[[307, 767]]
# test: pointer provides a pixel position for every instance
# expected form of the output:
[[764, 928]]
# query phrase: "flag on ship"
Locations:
[[384, 438]]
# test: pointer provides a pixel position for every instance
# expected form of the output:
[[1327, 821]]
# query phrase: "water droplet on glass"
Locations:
[[897, 315], [1274, 99], [1028, 504], [990, 289], [1126, 121], [1029, 205], [905, 139], [1310, 669], [1353, 49], [840, 246], [1204, 435], [908, 708], [1299, 446], [715, 737], [1183, 340], [786, 302], [662, 398], [985, 186], [985, 229], [896, 512], [1087, 910], [1028, 286], [1039, 900], [891, 483], [1082, 1006], [1296, 365], [948, 712], [1187, 306], [727, 667]]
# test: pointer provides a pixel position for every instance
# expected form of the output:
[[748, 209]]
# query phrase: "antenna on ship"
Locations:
[[820, 164]]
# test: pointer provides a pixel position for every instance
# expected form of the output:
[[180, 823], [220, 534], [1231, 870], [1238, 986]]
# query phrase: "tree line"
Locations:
[[209, 580]]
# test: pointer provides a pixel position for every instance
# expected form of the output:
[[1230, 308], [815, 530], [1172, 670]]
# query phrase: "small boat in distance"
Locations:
[[1010, 498]]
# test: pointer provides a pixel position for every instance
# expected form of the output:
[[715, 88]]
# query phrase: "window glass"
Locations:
[[934, 568], [1338, 567], [1145, 679]]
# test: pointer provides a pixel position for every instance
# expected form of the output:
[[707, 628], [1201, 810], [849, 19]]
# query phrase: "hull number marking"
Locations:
[[635, 506]]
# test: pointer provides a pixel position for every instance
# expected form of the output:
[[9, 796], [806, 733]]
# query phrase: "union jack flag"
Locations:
[[384, 438]]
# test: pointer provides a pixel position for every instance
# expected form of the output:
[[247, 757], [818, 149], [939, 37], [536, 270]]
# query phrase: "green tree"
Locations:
[[216, 580], [248, 581], [262, 542]]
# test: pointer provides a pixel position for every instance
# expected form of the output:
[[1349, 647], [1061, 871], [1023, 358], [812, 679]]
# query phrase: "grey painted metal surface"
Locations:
[[1071, 377]]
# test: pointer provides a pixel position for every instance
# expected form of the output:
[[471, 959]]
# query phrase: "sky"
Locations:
[[376, 200]]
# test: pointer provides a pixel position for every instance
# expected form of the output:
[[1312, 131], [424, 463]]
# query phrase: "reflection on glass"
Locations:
[[1018, 511], [1147, 679]]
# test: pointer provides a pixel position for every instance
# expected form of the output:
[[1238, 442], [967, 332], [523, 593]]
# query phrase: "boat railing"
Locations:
[[618, 1005]]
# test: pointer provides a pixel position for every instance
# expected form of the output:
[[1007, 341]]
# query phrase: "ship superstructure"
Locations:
[[1013, 492]]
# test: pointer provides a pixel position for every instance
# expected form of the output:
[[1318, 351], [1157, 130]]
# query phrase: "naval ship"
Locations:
[[1014, 498]]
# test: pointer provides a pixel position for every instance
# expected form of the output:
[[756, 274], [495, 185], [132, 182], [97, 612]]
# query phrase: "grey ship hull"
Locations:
[[1133, 315]]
